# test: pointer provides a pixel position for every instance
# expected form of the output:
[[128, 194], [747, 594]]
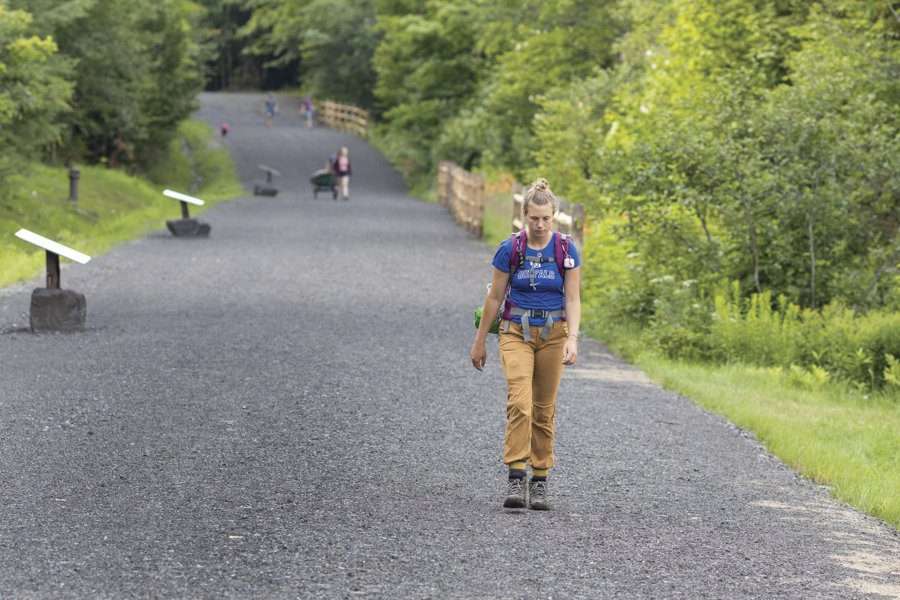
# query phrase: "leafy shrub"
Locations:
[[811, 378], [892, 372]]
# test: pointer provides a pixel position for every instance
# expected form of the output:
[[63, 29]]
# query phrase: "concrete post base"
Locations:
[[261, 189], [188, 228], [57, 310]]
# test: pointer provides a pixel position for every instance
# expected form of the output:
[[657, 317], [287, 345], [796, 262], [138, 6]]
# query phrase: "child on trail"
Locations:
[[536, 283], [308, 110], [342, 172], [271, 108]]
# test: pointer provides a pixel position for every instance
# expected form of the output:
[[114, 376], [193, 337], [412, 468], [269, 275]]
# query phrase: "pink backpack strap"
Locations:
[[561, 252], [517, 254], [516, 260]]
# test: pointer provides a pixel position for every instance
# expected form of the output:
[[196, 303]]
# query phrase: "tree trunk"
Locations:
[[754, 244], [812, 258]]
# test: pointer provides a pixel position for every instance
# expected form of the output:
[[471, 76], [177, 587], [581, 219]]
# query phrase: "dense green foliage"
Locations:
[[333, 40], [754, 142], [34, 91], [96, 80]]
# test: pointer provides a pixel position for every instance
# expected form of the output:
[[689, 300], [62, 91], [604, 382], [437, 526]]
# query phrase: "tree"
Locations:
[[33, 91], [551, 44], [427, 69], [136, 69]]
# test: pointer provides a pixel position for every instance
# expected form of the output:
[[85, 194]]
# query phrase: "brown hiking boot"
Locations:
[[537, 495]]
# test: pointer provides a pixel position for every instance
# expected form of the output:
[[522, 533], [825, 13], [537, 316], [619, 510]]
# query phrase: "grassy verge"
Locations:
[[112, 206], [833, 434], [497, 218], [498, 207]]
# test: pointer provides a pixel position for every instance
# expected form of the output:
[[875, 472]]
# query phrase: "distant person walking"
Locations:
[[271, 107], [309, 110], [224, 128], [536, 283], [342, 171]]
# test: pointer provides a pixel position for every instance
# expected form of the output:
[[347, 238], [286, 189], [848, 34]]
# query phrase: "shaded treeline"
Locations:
[[105, 81], [96, 80]]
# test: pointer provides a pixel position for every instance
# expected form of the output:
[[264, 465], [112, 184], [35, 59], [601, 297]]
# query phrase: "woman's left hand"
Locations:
[[570, 351]]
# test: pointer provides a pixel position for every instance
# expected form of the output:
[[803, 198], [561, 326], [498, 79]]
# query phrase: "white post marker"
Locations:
[[185, 200], [269, 172], [186, 226], [53, 308], [266, 189], [183, 197], [54, 251]]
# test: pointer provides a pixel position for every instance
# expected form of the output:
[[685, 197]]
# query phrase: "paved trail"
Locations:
[[286, 410]]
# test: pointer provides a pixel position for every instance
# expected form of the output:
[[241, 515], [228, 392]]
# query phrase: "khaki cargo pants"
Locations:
[[533, 370]]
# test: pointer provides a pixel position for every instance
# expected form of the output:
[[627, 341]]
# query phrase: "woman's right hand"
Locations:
[[478, 354]]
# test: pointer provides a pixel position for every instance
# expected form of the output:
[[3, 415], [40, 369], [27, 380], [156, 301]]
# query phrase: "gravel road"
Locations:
[[287, 410]]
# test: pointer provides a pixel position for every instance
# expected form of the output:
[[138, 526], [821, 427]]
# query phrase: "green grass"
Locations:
[[832, 434], [497, 224], [113, 206]]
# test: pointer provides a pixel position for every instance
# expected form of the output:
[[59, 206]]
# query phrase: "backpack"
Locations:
[[517, 260]]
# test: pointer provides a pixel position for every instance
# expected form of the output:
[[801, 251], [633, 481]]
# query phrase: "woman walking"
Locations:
[[536, 281], [342, 171]]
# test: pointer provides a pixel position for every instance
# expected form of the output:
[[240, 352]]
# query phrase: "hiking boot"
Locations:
[[537, 495], [515, 493]]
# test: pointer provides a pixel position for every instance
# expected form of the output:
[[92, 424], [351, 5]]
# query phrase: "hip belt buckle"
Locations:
[[539, 314]]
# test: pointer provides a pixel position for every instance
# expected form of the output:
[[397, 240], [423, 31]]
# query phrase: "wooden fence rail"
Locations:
[[463, 194], [345, 117]]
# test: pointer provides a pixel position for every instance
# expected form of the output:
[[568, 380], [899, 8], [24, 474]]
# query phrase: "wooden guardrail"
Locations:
[[345, 117], [569, 219], [463, 194]]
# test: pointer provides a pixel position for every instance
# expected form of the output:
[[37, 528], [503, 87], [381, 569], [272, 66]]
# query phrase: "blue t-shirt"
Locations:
[[547, 291]]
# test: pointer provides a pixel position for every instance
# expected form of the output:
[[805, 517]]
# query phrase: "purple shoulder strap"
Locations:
[[561, 252], [517, 255], [516, 258]]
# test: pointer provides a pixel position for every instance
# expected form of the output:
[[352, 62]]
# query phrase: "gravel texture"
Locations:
[[287, 410]]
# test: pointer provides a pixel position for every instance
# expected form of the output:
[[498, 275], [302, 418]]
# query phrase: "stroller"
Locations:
[[323, 181]]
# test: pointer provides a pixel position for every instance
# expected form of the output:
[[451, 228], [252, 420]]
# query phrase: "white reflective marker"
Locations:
[[270, 170], [51, 246], [183, 197]]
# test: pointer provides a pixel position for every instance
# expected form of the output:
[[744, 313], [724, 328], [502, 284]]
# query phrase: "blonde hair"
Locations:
[[539, 193]]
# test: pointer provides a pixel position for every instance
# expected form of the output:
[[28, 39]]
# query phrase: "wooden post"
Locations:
[[578, 224], [518, 218], [53, 273], [345, 118], [74, 174]]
